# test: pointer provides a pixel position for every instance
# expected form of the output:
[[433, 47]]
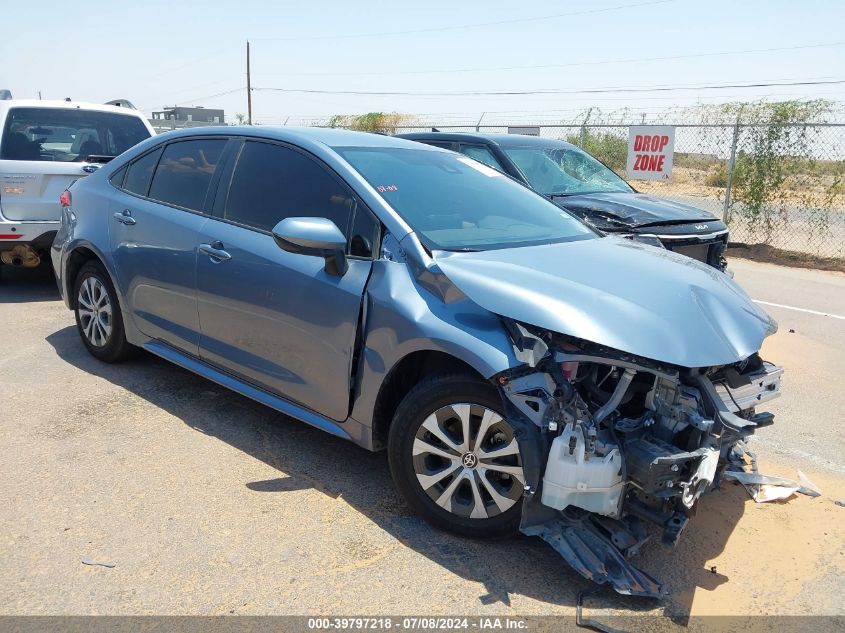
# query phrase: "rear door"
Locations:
[[155, 225], [43, 150], [274, 318]]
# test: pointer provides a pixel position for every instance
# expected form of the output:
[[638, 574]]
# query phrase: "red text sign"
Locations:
[[650, 151]]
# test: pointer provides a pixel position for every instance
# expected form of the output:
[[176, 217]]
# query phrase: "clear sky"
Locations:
[[158, 53]]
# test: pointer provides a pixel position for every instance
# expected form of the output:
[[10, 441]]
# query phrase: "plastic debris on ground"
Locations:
[[764, 488]]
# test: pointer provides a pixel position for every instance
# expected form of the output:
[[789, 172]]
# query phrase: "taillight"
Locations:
[[64, 199]]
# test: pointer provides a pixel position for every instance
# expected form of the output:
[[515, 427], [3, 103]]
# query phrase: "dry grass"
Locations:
[[692, 182]]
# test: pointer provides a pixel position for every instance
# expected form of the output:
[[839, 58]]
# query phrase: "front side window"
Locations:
[[272, 182], [184, 172], [456, 203], [482, 155], [364, 234], [564, 171], [68, 135]]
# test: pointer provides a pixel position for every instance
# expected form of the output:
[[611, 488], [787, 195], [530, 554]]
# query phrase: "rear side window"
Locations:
[[68, 135], [117, 177], [272, 182], [141, 173], [184, 172]]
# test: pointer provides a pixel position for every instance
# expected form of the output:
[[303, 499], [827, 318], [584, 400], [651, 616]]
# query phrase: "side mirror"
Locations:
[[318, 237]]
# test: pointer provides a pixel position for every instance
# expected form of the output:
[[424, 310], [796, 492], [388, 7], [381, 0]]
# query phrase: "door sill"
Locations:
[[245, 389]]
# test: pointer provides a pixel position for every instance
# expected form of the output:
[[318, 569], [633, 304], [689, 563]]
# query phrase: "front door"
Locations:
[[274, 318]]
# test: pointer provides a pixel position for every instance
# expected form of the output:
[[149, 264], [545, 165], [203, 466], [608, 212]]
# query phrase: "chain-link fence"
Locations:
[[777, 185]]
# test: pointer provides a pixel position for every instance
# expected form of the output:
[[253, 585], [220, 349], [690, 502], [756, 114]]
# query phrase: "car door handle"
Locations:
[[215, 251], [125, 217]]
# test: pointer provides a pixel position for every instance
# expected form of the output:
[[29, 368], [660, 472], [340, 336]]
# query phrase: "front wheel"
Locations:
[[455, 459]]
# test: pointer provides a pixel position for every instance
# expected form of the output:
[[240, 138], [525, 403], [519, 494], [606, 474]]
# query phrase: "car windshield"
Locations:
[[564, 171], [67, 135], [456, 203]]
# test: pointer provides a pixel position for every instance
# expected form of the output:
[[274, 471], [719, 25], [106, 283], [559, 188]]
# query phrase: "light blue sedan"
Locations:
[[522, 372]]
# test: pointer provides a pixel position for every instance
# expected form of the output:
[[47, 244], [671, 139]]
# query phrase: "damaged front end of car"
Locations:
[[616, 448]]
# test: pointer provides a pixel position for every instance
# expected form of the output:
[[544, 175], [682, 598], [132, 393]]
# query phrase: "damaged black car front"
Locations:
[[582, 185]]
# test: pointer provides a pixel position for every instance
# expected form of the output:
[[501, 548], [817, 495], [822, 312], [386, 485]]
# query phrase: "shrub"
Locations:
[[381, 122], [718, 177], [610, 149]]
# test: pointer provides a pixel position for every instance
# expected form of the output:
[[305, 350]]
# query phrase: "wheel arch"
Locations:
[[402, 377], [77, 257]]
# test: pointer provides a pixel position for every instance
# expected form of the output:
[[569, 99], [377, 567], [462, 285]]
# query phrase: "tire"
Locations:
[[478, 496], [98, 317]]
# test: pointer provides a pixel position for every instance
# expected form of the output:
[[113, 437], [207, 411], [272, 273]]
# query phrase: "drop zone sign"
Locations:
[[650, 150]]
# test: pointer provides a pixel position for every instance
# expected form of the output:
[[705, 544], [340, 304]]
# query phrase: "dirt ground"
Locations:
[[770, 255], [206, 503]]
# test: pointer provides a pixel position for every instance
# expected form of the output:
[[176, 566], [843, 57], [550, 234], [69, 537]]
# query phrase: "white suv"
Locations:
[[44, 147]]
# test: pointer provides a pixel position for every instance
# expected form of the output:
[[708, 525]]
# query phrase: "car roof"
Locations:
[[65, 105], [329, 137], [503, 140]]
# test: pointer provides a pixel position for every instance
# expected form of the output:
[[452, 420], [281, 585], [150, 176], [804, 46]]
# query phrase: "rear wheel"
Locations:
[[98, 317], [455, 458]]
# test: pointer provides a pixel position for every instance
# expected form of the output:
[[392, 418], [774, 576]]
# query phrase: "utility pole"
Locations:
[[248, 88]]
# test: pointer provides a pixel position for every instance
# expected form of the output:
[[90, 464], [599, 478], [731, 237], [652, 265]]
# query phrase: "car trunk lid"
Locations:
[[30, 191]]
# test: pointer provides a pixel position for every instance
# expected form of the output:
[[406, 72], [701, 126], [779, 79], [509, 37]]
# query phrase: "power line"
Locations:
[[219, 94], [228, 80], [618, 89], [457, 27], [567, 65], [197, 60]]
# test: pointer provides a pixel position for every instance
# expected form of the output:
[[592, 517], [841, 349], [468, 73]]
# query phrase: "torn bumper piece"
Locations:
[[612, 443], [595, 557]]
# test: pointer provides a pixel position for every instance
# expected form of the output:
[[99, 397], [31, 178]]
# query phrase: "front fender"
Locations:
[[402, 317]]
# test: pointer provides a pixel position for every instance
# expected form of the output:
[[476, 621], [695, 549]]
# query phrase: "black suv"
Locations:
[[579, 183]]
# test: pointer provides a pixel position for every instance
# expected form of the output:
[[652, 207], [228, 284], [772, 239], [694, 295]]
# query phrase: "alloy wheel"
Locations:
[[466, 459], [95, 311]]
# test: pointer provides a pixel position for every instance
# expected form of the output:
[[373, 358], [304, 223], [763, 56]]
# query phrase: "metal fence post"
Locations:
[[583, 133], [731, 164]]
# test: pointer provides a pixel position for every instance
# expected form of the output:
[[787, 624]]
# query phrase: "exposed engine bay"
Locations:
[[616, 448]]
